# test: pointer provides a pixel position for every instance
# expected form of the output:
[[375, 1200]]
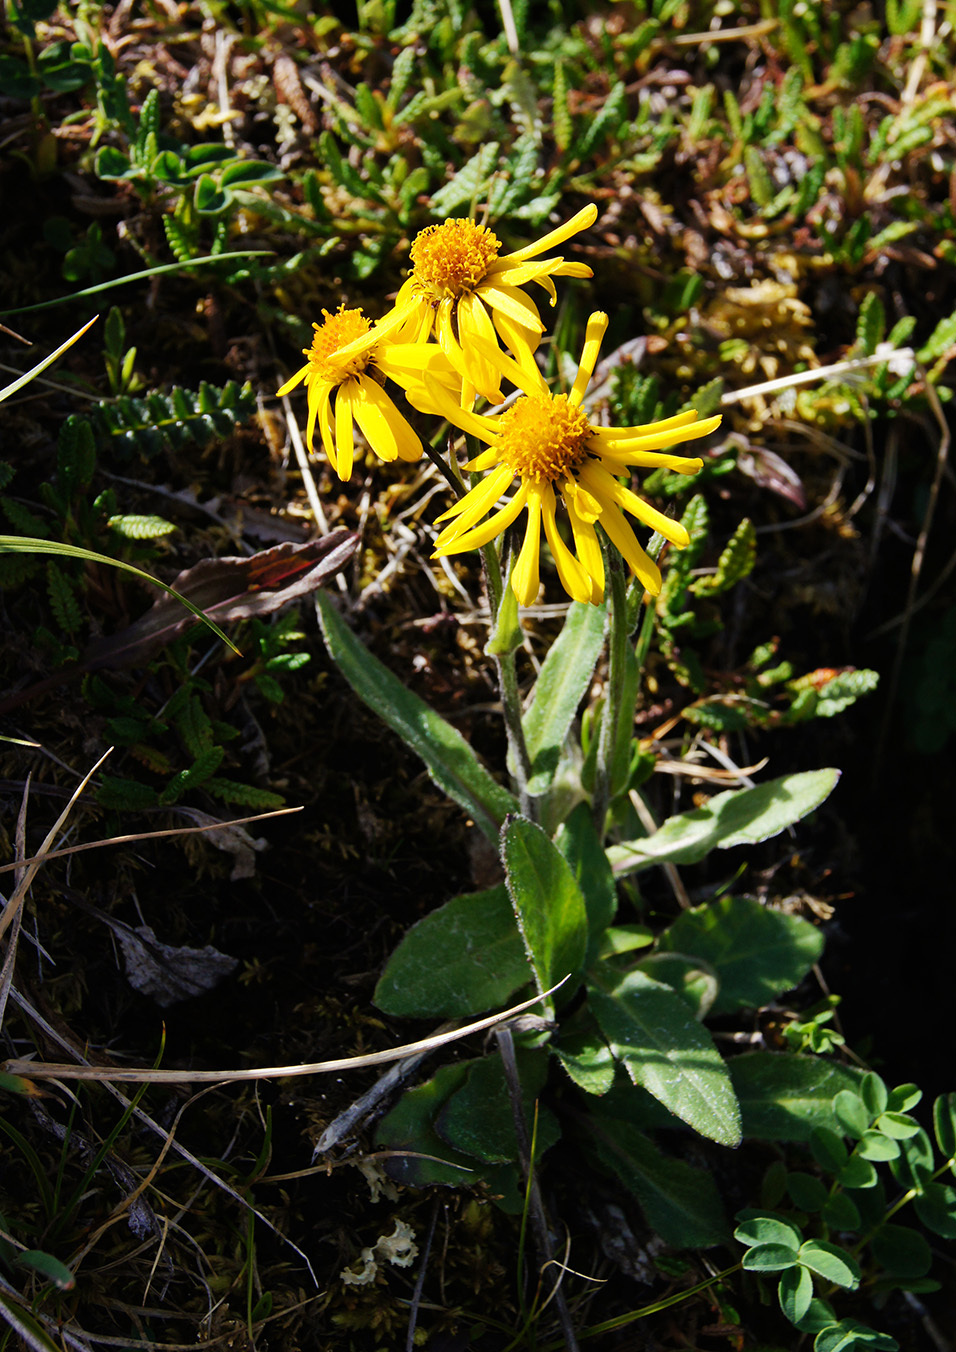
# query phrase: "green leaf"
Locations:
[[734, 564], [831, 1263], [795, 1291], [66, 609], [851, 1113], [944, 1124], [468, 184], [762, 1229], [465, 958], [408, 1134], [562, 683], [875, 1146], [585, 1055], [578, 841], [756, 952], [141, 527], [208, 197], [681, 1203], [205, 764], [940, 340], [449, 759], [47, 1266], [666, 1051], [842, 1213], [857, 1173], [110, 163], [507, 635], [874, 1094], [902, 1251], [936, 1208], [737, 817], [547, 902], [784, 1096], [249, 172], [478, 1118], [870, 324], [769, 1258], [849, 1335], [807, 1191]]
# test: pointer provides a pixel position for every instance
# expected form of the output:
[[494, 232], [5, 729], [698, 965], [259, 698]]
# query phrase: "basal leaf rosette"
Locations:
[[546, 442], [461, 290], [345, 373]]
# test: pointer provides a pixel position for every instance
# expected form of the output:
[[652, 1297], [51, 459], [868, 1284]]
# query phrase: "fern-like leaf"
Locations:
[[141, 527], [66, 608], [145, 426], [735, 562], [243, 795]]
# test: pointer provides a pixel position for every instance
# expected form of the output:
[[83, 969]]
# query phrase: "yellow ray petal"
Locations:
[[471, 508], [524, 576], [450, 543], [324, 409], [593, 337], [436, 399], [522, 343], [607, 489], [525, 375], [385, 429], [624, 540], [513, 303], [566, 269], [589, 550], [619, 462], [291, 383], [574, 579], [344, 432], [686, 419], [476, 333], [580, 221]]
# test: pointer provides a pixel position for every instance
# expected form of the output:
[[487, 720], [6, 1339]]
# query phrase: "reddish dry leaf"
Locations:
[[227, 589]]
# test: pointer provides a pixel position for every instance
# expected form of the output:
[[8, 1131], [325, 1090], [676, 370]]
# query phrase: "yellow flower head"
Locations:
[[344, 376], [548, 444], [461, 290]]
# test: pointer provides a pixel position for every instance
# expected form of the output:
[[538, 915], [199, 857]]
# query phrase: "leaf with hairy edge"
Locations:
[[578, 841], [652, 1030], [784, 1096], [561, 685], [547, 901], [465, 958], [756, 952], [679, 1201], [449, 759], [737, 817]]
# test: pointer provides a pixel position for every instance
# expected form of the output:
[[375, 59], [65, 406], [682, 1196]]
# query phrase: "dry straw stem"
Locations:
[[45, 856], [48, 1071]]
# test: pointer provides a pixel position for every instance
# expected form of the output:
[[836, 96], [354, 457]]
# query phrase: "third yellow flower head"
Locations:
[[548, 444]]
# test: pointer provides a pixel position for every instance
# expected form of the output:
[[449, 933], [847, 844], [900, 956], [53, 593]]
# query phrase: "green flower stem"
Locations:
[[610, 713], [508, 686], [504, 662]]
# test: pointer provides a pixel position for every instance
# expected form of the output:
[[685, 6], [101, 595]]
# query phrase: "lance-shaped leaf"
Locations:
[[561, 685], [449, 759], [680, 1202], [737, 817], [463, 959], [652, 1030], [227, 589], [551, 913]]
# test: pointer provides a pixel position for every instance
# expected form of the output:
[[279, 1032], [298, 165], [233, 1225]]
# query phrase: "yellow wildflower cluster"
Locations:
[[460, 325]]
